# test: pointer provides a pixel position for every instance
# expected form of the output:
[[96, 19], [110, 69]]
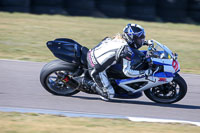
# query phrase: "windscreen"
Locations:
[[161, 51]]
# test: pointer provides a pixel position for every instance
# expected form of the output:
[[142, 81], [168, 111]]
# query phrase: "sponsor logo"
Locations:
[[175, 65], [93, 59], [128, 58], [162, 79]]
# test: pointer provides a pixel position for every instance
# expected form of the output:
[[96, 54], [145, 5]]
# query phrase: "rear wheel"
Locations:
[[55, 77], [168, 93]]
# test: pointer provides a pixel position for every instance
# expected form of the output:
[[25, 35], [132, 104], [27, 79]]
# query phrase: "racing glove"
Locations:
[[148, 42]]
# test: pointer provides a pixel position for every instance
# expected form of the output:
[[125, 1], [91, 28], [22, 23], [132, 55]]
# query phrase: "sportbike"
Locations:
[[164, 85]]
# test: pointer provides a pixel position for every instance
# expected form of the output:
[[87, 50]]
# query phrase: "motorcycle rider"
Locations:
[[110, 51]]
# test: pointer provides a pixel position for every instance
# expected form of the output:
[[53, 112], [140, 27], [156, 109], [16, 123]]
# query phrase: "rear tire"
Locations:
[[54, 67], [155, 94]]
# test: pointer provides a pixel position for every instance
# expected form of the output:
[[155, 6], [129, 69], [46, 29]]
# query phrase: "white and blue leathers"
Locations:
[[107, 53]]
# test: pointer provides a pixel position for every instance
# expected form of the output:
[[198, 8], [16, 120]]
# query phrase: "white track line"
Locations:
[[141, 119], [92, 115], [14, 60]]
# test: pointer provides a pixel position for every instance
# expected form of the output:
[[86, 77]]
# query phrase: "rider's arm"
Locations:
[[127, 69], [126, 55]]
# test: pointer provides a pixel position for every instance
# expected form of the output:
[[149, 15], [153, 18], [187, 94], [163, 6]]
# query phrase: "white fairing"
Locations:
[[169, 69], [168, 64], [160, 56], [151, 82]]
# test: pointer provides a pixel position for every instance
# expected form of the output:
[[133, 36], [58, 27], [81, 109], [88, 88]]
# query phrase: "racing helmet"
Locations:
[[134, 35]]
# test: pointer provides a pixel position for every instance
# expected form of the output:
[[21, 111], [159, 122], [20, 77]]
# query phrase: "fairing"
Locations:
[[68, 50]]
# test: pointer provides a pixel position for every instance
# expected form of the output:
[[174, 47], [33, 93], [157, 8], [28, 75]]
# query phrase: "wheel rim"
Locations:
[[166, 93], [56, 83]]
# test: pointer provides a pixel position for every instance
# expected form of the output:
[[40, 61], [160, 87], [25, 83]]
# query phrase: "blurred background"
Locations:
[[186, 11], [26, 25]]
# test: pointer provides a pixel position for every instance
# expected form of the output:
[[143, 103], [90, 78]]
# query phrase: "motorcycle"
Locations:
[[165, 85]]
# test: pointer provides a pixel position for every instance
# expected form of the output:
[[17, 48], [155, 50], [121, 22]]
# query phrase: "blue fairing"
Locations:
[[159, 63], [128, 96], [164, 75], [144, 51], [117, 67], [65, 49]]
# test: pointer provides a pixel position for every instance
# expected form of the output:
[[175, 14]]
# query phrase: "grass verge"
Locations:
[[38, 123], [23, 36]]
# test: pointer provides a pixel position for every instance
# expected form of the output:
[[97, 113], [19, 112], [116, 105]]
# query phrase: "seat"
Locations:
[[84, 52]]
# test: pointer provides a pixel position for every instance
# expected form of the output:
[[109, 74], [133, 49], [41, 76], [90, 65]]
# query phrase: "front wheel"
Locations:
[[168, 93]]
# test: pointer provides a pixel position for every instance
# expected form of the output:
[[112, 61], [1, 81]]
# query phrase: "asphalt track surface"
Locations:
[[20, 87]]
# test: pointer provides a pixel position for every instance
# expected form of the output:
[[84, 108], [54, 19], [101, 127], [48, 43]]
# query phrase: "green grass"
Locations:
[[23, 36], [37, 123]]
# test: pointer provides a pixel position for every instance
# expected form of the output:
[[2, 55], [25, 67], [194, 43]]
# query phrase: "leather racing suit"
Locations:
[[105, 54]]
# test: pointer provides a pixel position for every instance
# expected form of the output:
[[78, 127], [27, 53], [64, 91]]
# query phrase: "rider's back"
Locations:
[[107, 52]]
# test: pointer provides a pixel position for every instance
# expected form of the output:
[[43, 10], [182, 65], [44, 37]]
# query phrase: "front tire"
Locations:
[[168, 93], [52, 77]]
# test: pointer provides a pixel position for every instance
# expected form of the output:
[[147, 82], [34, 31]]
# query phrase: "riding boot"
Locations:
[[89, 84], [93, 86]]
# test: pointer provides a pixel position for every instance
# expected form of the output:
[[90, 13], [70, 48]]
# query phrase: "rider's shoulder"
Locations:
[[106, 39], [120, 42]]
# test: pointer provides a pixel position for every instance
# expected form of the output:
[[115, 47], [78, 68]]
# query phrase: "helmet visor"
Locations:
[[139, 42], [142, 36]]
